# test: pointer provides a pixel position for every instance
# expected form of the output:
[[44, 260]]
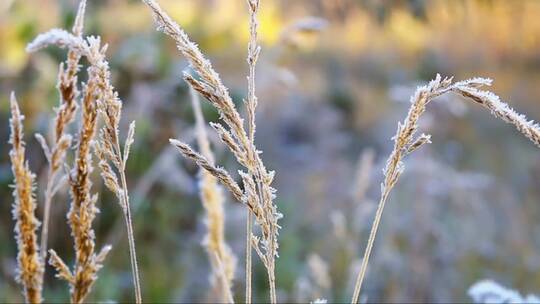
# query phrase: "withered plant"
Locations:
[[98, 97]]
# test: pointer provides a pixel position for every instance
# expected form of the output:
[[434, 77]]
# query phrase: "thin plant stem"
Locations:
[[251, 105], [129, 227], [46, 215], [272, 283], [249, 225], [371, 240]]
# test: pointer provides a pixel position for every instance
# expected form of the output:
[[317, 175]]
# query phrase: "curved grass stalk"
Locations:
[[405, 141]]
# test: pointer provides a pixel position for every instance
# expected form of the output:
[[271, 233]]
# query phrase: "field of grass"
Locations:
[[269, 151]]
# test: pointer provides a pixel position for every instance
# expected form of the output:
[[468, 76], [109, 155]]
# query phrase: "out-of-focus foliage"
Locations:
[[466, 209]]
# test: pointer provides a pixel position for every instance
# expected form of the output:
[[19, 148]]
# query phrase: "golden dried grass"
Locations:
[[30, 266], [65, 113], [221, 257], [98, 97]]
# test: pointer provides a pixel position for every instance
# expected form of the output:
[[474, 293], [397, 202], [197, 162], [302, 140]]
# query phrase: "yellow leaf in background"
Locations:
[[410, 33], [270, 24], [357, 32], [224, 15], [12, 54], [16, 18], [183, 11]]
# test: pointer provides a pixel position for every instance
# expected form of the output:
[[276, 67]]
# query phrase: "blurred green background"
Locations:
[[334, 77]]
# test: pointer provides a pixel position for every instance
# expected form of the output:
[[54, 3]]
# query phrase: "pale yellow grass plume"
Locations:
[[257, 194], [65, 113], [83, 204], [212, 198], [406, 141], [29, 262]]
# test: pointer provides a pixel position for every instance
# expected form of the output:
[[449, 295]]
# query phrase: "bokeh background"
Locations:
[[334, 78]]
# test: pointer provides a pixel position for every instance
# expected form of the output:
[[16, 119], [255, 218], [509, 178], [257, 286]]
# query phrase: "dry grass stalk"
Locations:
[[212, 198], [251, 105], [249, 263], [100, 97], [83, 209], [258, 194], [83, 205], [109, 150], [406, 141], [65, 113], [29, 262]]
